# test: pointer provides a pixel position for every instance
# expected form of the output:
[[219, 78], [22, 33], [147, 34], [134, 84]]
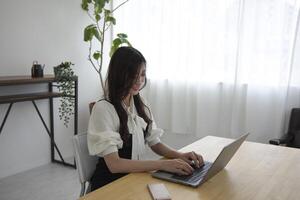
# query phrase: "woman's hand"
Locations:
[[177, 166], [192, 158]]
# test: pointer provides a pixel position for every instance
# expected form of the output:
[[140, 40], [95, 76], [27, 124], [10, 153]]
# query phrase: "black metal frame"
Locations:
[[5, 117], [50, 132]]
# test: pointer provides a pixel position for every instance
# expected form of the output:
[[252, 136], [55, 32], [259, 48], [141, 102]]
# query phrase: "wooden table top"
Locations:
[[257, 171]]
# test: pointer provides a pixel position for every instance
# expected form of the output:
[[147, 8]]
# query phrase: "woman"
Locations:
[[121, 124]]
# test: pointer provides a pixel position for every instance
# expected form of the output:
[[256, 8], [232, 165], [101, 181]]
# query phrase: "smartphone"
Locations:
[[159, 191]]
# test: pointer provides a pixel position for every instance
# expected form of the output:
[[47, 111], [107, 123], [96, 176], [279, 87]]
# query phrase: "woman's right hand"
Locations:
[[177, 166]]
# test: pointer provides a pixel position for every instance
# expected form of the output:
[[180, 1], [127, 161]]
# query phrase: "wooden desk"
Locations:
[[257, 171]]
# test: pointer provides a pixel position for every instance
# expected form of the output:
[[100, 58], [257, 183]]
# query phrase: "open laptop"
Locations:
[[208, 170]]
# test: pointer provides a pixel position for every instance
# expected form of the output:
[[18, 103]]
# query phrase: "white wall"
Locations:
[[50, 32]]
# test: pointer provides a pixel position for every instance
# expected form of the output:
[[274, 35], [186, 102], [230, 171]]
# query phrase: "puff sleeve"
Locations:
[[103, 137], [154, 134]]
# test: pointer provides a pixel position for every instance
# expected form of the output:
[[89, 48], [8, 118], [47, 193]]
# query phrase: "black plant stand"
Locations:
[[47, 79]]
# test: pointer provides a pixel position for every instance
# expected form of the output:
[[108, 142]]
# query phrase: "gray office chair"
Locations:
[[85, 163]]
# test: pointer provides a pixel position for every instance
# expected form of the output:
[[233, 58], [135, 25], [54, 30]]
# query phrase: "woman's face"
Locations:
[[140, 80]]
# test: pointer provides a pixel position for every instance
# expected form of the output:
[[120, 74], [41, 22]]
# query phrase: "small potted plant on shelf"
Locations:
[[65, 84], [101, 15]]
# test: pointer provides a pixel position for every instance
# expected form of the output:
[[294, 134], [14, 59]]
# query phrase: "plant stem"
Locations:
[[119, 6], [101, 61], [90, 57]]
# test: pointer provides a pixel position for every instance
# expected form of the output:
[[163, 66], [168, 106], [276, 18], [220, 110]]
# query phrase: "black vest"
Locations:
[[102, 175]]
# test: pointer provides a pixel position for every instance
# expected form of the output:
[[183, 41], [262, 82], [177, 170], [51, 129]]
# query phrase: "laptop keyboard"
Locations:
[[197, 174]]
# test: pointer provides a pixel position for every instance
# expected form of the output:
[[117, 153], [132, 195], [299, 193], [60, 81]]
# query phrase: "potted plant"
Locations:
[[102, 19], [65, 84]]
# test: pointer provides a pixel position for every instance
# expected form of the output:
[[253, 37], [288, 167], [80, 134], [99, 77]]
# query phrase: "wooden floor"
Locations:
[[53, 181]]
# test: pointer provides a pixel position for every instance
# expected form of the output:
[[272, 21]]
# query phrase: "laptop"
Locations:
[[208, 170]]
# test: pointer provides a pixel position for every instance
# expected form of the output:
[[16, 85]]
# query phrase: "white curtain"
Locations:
[[217, 67]]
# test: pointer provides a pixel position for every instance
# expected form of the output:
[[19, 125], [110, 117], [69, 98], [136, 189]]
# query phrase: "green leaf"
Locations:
[[96, 34], [125, 41], [99, 5], [106, 12], [98, 9], [122, 35], [117, 42], [97, 55], [112, 51], [84, 5], [90, 31], [110, 19], [97, 17], [115, 46]]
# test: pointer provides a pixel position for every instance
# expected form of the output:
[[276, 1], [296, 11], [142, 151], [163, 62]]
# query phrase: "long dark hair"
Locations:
[[123, 70]]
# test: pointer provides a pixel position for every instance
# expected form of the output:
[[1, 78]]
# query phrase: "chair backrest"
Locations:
[[85, 163], [294, 128], [294, 124]]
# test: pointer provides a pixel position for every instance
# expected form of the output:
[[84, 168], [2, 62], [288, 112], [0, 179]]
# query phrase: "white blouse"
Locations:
[[103, 130]]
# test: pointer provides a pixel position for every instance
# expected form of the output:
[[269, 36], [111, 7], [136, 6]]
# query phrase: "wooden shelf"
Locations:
[[21, 80], [48, 94], [28, 97]]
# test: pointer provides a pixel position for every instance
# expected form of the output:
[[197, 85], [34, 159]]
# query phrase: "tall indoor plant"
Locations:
[[101, 15]]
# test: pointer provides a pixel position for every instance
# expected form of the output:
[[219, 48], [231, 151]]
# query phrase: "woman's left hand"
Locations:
[[192, 158]]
